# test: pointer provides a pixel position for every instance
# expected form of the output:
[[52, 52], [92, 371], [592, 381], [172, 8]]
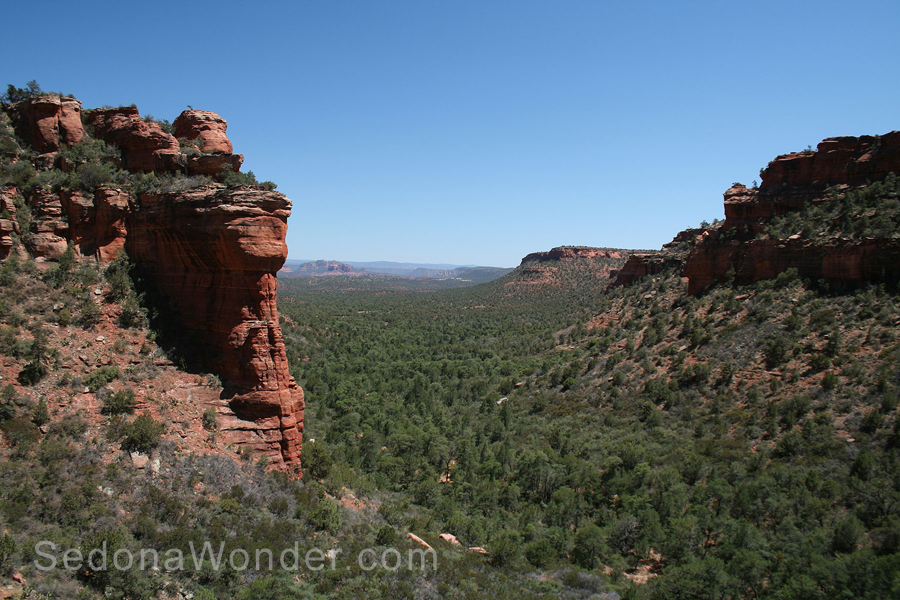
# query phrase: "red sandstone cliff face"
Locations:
[[7, 226], [642, 265], [208, 129], [145, 146], [838, 160], [214, 252], [789, 182], [840, 262], [572, 252], [50, 236], [97, 222], [49, 122], [671, 257], [206, 126]]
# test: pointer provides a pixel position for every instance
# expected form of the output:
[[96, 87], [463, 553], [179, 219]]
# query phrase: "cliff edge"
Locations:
[[209, 248]]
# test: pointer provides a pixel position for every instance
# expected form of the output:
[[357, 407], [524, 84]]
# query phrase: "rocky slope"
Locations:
[[211, 250]]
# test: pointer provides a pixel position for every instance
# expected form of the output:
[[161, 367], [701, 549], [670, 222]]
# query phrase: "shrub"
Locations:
[[589, 543], [210, 420], [776, 350], [118, 276], [142, 434], [20, 431], [7, 549], [326, 516], [32, 373], [819, 362], [821, 319], [119, 403], [101, 376], [40, 415], [505, 547], [846, 535], [88, 314]]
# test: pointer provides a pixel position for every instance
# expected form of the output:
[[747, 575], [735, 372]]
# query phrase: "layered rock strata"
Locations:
[[49, 122], [8, 224], [212, 252], [788, 183]]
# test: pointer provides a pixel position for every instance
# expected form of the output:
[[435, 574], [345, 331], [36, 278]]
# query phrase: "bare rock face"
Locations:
[[839, 262], [145, 146], [208, 130], [788, 183], [669, 258], [51, 231], [540, 269], [214, 252], [641, 265], [98, 221], [212, 164], [838, 160], [573, 252], [8, 226], [48, 122], [206, 126]]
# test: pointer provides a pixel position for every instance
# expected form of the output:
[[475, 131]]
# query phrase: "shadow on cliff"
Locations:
[[183, 346]]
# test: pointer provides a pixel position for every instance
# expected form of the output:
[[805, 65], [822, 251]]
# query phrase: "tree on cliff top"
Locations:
[[14, 94]]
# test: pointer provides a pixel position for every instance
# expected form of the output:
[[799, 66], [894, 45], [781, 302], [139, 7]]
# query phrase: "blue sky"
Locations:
[[475, 132]]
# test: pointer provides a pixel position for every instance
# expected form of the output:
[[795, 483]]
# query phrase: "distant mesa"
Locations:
[[576, 252], [321, 268], [556, 267]]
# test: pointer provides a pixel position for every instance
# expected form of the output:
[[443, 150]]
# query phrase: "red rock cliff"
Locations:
[[788, 183], [572, 252], [48, 122], [214, 252]]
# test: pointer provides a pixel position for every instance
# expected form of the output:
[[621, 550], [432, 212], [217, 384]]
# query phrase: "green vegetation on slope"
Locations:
[[742, 444]]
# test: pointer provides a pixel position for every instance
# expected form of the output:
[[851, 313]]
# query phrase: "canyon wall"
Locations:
[[788, 183], [211, 252], [214, 252]]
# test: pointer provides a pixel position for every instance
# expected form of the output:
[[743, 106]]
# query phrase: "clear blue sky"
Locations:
[[479, 131]]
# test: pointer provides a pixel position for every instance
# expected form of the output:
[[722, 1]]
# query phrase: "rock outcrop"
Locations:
[[320, 268], [839, 160], [642, 265], [669, 258], [211, 254], [789, 183], [206, 126], [8, 225], [50, 234], [214, 252], [48, 122], [144, 145], [843, 263], [573, 252], [207, 129], [98, 222]]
